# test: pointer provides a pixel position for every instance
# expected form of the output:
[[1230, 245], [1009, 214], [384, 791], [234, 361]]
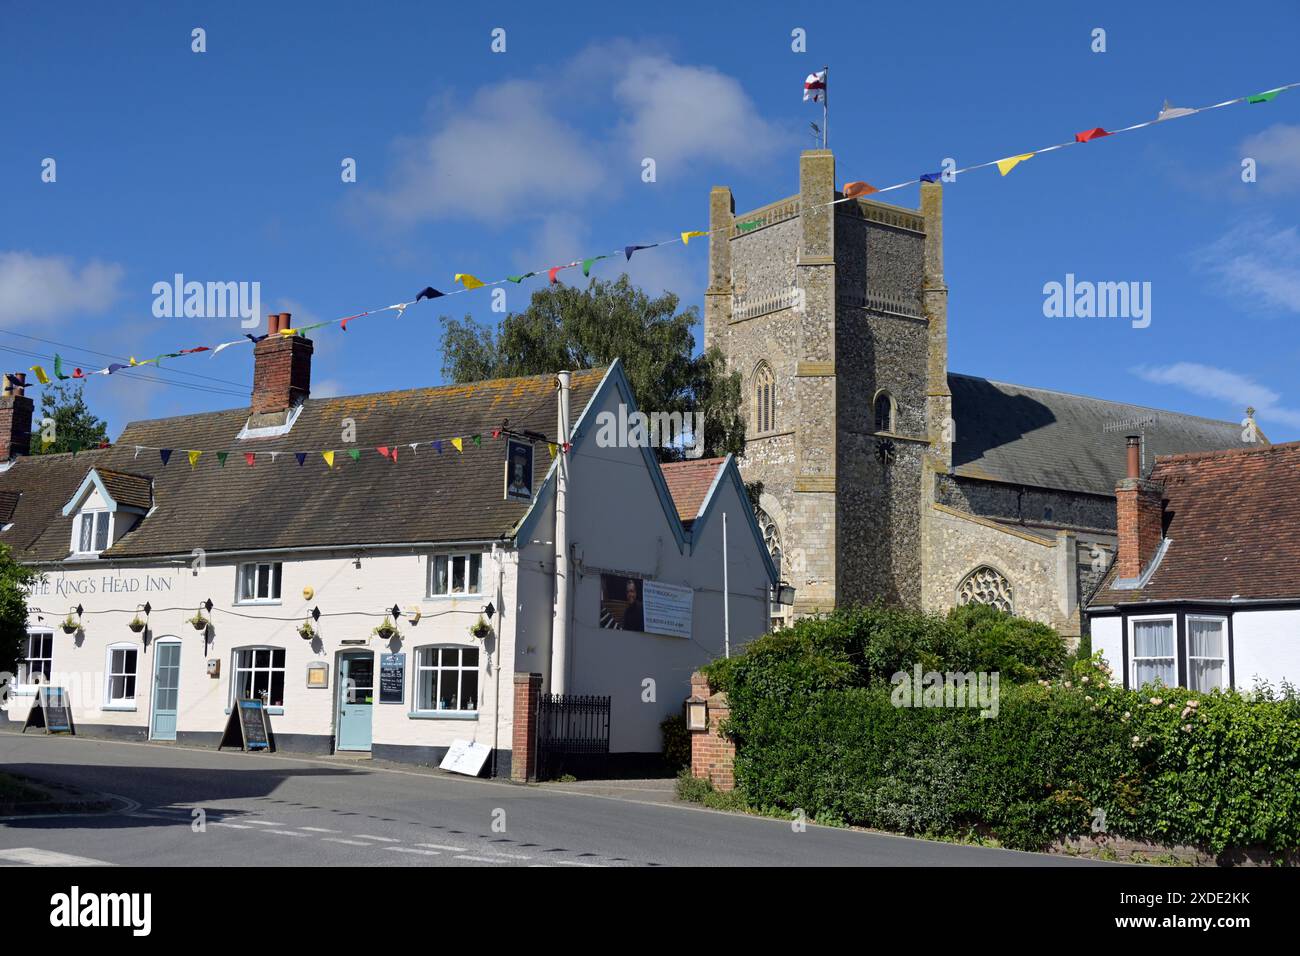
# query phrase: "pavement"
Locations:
[[181, 806]]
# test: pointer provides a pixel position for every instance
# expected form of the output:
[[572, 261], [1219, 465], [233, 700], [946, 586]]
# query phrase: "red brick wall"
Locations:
[[712, 754], [15, 426], [523, 750], [281, 372], [1140, 518]]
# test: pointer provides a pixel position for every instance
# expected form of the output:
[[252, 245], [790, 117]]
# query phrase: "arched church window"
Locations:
[[771, 536], [764, 398], [984, 585], [884, 412]]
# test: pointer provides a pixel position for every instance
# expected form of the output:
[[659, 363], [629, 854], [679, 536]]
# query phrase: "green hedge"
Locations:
[[815, 730]]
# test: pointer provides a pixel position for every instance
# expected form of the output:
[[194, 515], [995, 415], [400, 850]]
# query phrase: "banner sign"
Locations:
[[636, 604]]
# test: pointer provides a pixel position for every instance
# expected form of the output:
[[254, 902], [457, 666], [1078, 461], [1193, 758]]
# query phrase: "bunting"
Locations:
[[1011, 162], [194, 458], [468, 281], [329, 458]]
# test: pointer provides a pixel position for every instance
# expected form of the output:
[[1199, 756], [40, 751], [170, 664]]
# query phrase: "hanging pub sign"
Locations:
[[247, 727], [52, 711], [519, 470], [637, 604]]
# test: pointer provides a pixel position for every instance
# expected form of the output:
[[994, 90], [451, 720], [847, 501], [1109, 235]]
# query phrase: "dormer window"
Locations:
[[93, 534]]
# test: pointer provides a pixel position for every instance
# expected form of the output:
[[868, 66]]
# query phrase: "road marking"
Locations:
[[440, 846], [366, 836], [233, 826], [266, 823], [348, 842], [36, 857], [481, 859], [408, 849], [319, 829], [574, 863], [508, 856], [288, 833]]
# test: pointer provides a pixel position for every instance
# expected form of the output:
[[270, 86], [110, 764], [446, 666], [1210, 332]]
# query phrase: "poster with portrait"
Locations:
[[636, 604], [519, 470]]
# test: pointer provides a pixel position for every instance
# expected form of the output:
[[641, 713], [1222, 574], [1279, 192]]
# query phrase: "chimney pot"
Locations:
[[1134, 455], [281, 367], [1139, 514]]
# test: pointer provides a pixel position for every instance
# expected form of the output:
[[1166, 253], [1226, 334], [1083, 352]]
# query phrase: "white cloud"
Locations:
[[1239, 391], [327, 388], [1257, 261], [1276, 152], [39, 288]]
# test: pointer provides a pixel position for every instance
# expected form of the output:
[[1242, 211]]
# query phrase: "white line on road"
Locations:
[[288, 833], [266, 823], [366, 836], [481, 859], [318, 829], [341, 840], [441, 846], [233, 826], [36, 857], [409, 849], [575, 863]]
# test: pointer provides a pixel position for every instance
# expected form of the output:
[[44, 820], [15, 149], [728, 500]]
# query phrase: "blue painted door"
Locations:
[[356, 700], [166, 687]]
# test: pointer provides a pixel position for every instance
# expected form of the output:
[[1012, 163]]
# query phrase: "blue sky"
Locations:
[[225, 166]]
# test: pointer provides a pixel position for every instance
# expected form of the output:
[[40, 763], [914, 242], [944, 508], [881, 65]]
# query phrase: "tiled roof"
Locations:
[[134, 491], [1046, 439], [1233, 528], [689, 482], [422, 497]]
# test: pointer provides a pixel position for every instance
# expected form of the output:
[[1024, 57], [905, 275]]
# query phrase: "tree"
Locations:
[[15, 579], [75, 426], [565, 327]]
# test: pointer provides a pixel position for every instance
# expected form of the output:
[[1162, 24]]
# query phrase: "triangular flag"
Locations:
[[858, 188], [40, 375], [393, 454], [58, 368], [750, 225], [354, 454], [550, 446], [329, 458], [1011, 162], [137, 451], [688, 236], [586, 264], [496, 433], [468, 281], [931, 177], [628, 250], [1168, 112], [383, 450], [221, 458], [165, 454], [201, 348], [114, 367], [1264, 97], [478, 440], [75, 446], [274, 455], [223, 345], [429, 292], [285, 332], [1088, 135], [437, 446], [252, 338], [250, 457], [551, 272], [194, 457], [301, 456], [458, 445]]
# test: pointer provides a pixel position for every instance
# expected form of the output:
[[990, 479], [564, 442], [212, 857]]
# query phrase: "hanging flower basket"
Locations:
[[199, 622], [70, 625], [136, 624], [480, 629], [385, 630], [306, 631]]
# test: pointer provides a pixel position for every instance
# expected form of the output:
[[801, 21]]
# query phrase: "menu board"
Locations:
[[247, 727], [52, 711], [465, 757], [392, 678]]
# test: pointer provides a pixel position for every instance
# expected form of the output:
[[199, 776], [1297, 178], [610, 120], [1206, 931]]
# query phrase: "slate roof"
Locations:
[[133, 491], [1045, 439], [1233, 528], [422, 497], [689, 483]]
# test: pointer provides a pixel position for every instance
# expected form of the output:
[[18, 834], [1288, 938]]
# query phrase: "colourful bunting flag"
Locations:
[[40, 375], [221, 458], [74, 446], [301, 456], [586, 264], [250, 457], [58, 368], [225, 345], [458, 445], [1264, 97], [496, 433], [115, 367], [749, 225], [931, 177], [252, 338], [551, 272], [429, 292], [194, 457], [468, 281], [628, 250], [1168, 112], [329, 458], [1011, 162], [165, 454], [437, 446], [550, 446], [478, 440], [858, 188], [354, 454], [383, 450], [343, 326], [688, 236], [1088, 135]]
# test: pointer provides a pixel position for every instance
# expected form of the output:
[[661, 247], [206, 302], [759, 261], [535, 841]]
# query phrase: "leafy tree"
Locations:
[[75, 426], [15, 578], [568, 327]]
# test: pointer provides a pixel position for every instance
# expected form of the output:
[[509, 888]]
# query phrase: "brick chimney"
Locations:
[[15, 417], [1139, 508], [281, 368]]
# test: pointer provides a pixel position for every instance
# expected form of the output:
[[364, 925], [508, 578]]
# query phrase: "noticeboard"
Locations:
[[51, 711], [247, 727], [392, 678]]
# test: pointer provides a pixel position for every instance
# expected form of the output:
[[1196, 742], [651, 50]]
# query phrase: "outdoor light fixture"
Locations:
[[784, 593], [697, 714]]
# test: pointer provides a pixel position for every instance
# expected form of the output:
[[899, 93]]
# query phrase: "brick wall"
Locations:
[[712, 755], [281, 372], [15, 426], [1139, 519], [523, 757]]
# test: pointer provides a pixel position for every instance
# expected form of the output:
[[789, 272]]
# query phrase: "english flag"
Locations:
[[814, 87]]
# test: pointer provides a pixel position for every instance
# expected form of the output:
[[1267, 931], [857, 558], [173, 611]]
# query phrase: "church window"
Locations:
[[984, 585], [884, 412], [764, 398]]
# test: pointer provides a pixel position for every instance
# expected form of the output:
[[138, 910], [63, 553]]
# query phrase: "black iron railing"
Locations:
[[572, 733]]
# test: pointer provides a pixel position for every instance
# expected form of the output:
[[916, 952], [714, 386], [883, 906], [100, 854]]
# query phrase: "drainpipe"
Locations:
[[726, 594], [560, 623]]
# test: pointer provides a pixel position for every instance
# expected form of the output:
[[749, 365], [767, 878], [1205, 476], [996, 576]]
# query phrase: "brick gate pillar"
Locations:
[[712, 754], [523, 756]]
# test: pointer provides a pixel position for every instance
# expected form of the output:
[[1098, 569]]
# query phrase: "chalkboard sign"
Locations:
[[247, 727], [52, 711], [392, 678]]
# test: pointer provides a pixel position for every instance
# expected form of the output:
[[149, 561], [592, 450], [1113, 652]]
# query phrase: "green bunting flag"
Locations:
[[221, 457], [1264, 97], [478, 440], [354, 454]]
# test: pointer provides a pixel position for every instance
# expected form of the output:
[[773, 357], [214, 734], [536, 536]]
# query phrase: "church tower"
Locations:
[[835, 316]]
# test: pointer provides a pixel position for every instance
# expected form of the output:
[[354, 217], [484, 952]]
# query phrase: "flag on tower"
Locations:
[[814, 87]]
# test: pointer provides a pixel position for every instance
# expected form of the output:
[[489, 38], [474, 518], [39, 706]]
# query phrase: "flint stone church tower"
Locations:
[[883, 475]]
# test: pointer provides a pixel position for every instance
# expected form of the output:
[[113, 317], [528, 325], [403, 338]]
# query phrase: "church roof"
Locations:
[[1046, 439], [689, 483]]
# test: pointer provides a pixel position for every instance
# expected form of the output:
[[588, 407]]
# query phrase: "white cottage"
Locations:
[[260, 570], [1205, 591]]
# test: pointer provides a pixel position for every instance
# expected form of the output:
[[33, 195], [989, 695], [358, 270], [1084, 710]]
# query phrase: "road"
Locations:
[[276, 810]]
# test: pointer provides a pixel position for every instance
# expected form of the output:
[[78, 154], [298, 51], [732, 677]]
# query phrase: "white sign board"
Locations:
[[668, 608], [465, 757]]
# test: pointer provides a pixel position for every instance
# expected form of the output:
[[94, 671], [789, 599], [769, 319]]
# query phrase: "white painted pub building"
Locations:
[[421, 588]]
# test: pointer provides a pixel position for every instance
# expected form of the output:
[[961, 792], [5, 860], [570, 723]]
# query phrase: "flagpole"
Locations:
[[826, 102]]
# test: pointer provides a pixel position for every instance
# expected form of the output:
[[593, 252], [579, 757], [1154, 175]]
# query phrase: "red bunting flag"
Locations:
[[551, 272], [1088, 135], [858, 189], [249, 457]]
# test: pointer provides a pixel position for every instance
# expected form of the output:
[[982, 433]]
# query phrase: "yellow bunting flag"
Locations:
[[194, 458], [329, 457], [550, 446], [468, 281], [1011, 162], [40, 375], [457, 444], [687, 236], [288, 331]]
